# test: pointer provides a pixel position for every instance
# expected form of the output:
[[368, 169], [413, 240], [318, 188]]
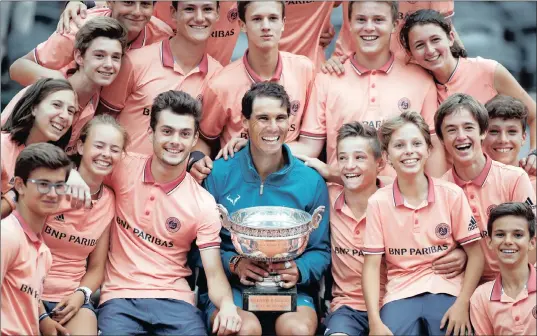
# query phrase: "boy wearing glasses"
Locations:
[[41, 171]]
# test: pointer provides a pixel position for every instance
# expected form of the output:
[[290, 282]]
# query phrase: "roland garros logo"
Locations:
[[232, 15], [173, 224], [295, 106], [442, 230], [403, 104]]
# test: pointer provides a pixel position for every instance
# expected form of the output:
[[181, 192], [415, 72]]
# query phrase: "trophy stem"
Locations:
[[269, 281]]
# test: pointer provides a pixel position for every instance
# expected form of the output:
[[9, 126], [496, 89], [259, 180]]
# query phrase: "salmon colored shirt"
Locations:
[[144, 74], [225, 31], [533, 180], [154, 228], [71, 235], [496, 184], [304, 23], [412, 238], [25, 263], [368, 96], [58, 50], [345, 44], [473, 76], [495, 313], [222, 101], [83, 115], [347, 240], [10, 152]]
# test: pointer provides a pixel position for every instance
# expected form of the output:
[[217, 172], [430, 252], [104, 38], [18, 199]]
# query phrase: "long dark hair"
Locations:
[[21, 121], [429, 16]]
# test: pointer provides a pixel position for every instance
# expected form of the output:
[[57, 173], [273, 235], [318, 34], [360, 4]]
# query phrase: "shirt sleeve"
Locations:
[[314, 120], [227, 250], [209, 229], [522, 190], [430, 105], [114, 96], [9, 249], [463, 224], [214, 116], [478, 315], [316, 258], [58, 51], [374, 237]]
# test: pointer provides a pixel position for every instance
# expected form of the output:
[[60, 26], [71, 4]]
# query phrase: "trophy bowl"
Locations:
[[270, 233]]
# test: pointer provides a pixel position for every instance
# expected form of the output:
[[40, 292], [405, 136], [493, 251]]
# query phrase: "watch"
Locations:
[[533, 152], [233, 263], [87, 293]]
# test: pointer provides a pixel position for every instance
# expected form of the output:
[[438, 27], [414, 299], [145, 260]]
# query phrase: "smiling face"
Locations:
[[101, 61], [102, 149], [54, 116], [173, 138], [510, 239], [504, 140], [357, 164], [264, 24], [195, 19], [267, 126], [371, 25], [408, 151], [462, 138], [430, 46], [133, 14], [38, 203]]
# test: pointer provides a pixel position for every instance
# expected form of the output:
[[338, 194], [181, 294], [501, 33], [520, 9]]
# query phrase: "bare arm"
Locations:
[[97, 260], [307, 146], [371, 288], [26, 71]]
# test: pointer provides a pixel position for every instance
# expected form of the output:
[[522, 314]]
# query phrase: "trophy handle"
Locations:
[[224, 215], [316, 217]]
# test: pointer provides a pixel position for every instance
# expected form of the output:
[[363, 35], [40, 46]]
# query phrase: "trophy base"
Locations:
[[269, 299]]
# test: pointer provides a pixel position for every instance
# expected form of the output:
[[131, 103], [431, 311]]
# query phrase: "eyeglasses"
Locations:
[[44, 186]]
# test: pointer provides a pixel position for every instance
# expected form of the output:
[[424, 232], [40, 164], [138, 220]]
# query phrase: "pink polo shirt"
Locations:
[[222, 112], [225, 31], [72, 235], [383, 94], [347, 240], [10, 152], [144, 74], [412, 238], [473, 76], [496, 184], [494, 313], [154, 228], [25, 262], [58, 50]]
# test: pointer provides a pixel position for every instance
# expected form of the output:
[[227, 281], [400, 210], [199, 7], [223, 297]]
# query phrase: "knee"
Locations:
[[250, 325], [297, 328]]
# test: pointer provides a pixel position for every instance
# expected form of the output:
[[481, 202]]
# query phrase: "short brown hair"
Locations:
[[242, 5], [357, 129], [517, 209], [41, 155], [507, 107], [408, 117], [455, 103], [394, 5], [101, 26], [178, 102]]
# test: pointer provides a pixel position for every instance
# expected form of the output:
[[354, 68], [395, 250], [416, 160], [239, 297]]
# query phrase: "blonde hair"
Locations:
[[392, 125]]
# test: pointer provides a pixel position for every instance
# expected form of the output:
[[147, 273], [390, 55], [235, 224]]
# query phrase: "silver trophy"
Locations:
[[270, 234]]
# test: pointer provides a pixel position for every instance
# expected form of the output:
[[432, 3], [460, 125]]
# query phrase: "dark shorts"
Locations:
[[50, 305], [209, 308], [149, 316], [348, 321], [417, 315]]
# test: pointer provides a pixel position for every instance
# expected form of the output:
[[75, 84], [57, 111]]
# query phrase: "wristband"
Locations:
[[195, 156], [43, 316], [533, 152], [87, 293]]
